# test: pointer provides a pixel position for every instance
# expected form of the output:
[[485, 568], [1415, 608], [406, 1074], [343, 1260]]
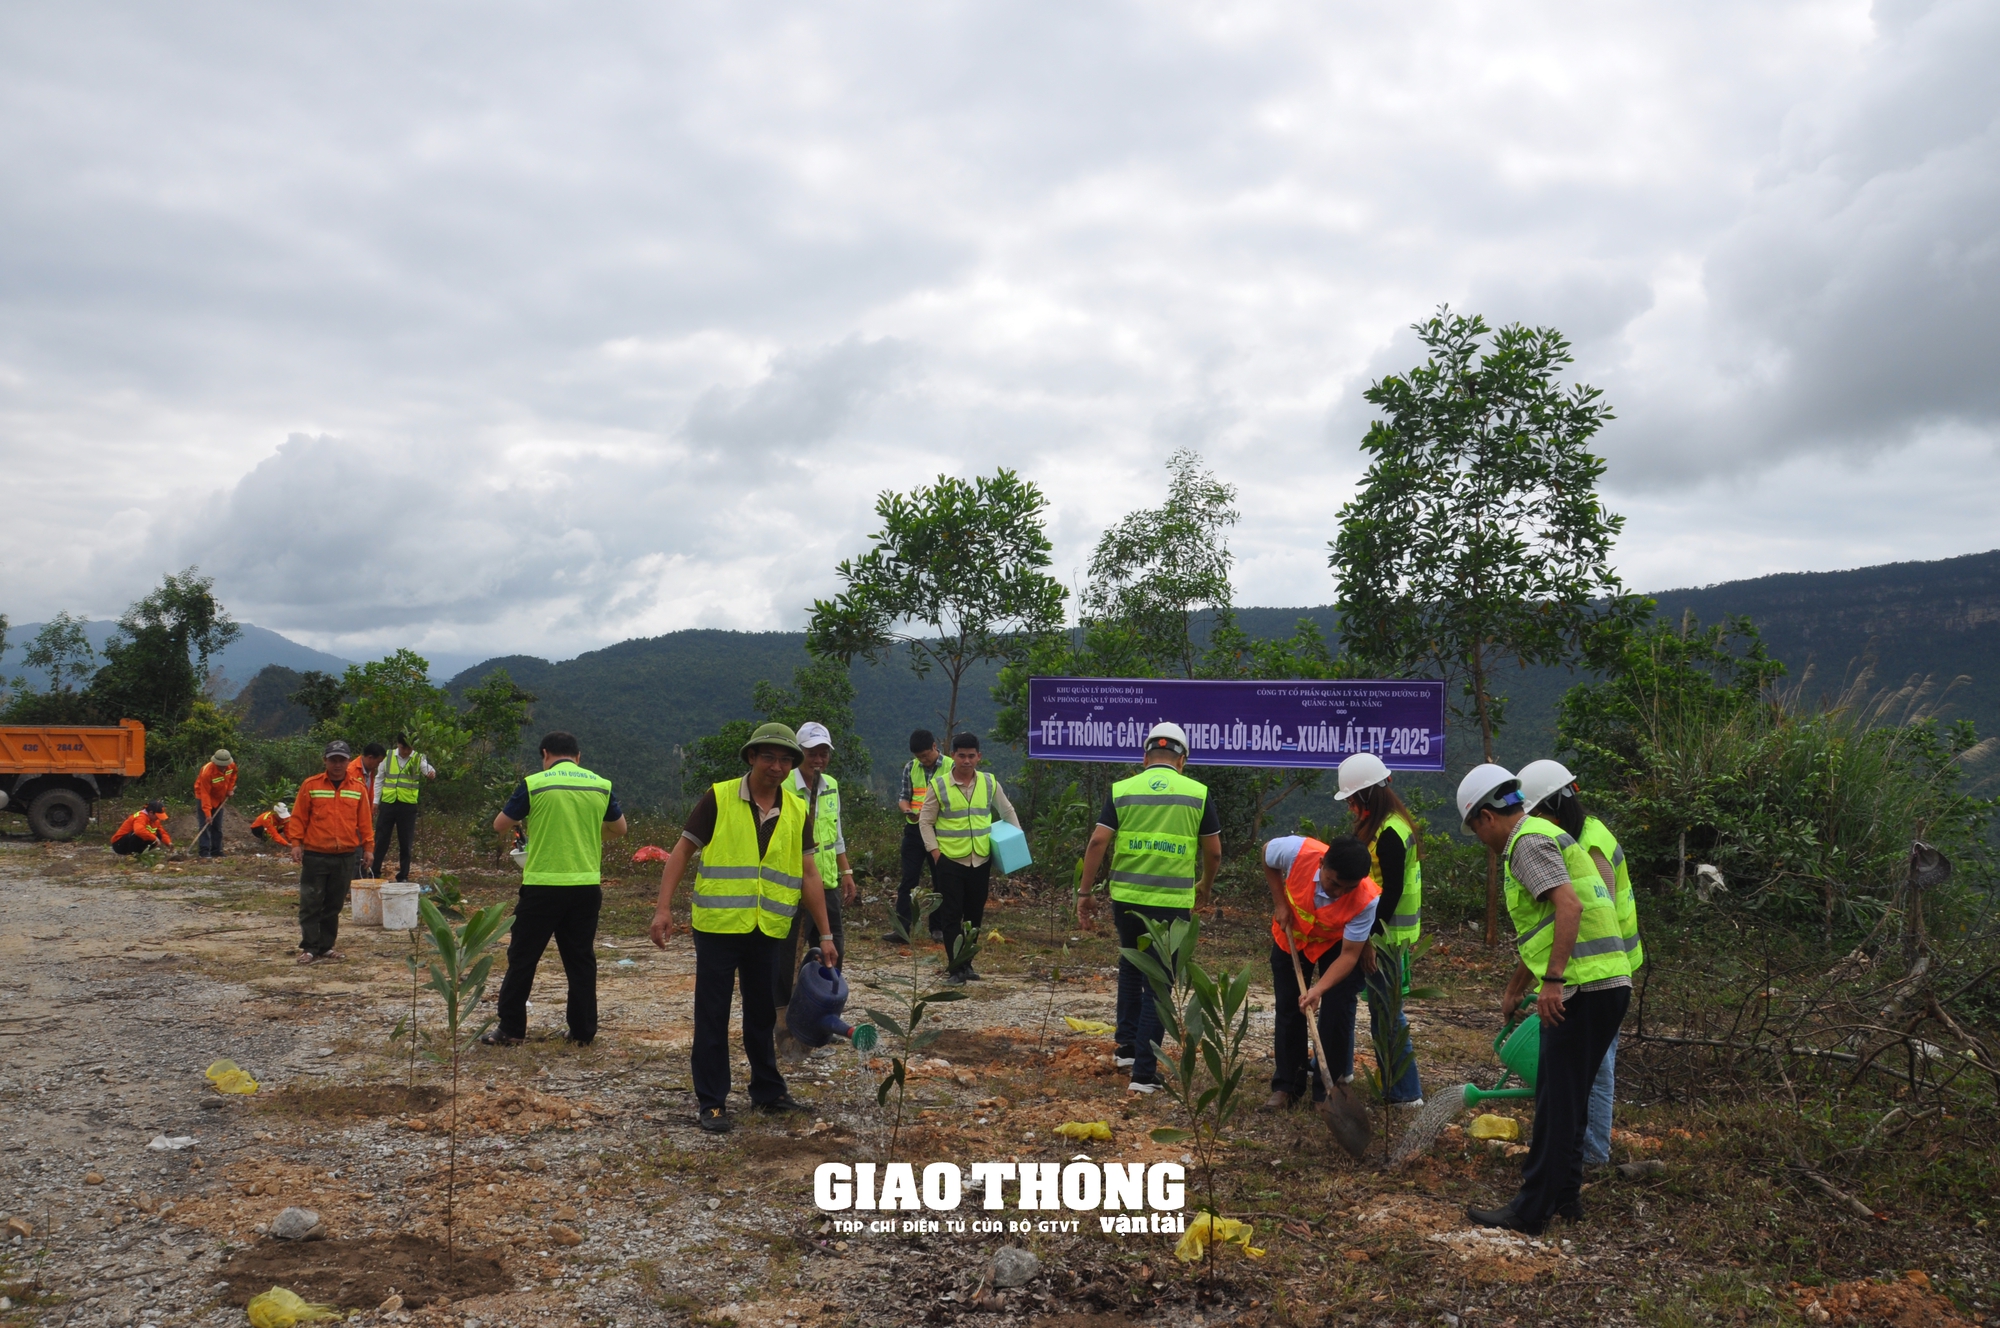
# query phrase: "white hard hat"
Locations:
[[1480, 784], [814, 734], [1172, 733], [1359, 771], [1539, 779], [281, 809]]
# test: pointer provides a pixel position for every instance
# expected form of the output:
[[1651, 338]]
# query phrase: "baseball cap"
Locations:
[[337, 748], [814, 734]]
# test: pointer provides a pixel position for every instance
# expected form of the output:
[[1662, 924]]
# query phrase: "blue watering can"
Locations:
[[818, 997]]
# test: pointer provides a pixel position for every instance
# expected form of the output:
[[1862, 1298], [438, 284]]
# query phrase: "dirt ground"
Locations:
[[137, 1195]]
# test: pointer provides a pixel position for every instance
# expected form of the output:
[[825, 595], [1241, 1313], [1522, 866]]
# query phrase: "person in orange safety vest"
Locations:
[[270, 825], [212, 788], [1322, 906], [142, 830]]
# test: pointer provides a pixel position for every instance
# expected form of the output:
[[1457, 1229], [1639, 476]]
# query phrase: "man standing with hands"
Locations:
[[403, 771], [329, 822], [1566, 930], [1165, 840], [212, 787], [570, 812], [754, 835], [956, 824]]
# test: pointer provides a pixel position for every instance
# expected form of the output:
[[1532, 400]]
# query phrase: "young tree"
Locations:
[[396, 695], [1477, 540], [820, 690], [63, 652], [186, 608], [158, 663], [1154, 571], [954, 578], [320, 695]]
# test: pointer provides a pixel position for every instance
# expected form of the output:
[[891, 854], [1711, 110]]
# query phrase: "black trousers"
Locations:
[[1139, 1028], [1552, 1175], [962, 892], [915, 859], [126, 845], [208, 844], [1289, 1039], [323, 882], [568, 915], [402, 818], [722, 962]]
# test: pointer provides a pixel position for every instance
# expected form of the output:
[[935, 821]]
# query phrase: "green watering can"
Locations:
[[1519, 1047]]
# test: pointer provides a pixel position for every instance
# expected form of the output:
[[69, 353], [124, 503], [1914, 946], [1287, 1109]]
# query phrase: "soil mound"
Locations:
[[362, 1273]]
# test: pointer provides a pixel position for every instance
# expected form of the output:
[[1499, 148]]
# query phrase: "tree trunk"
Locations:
[[1486, 748], [956, 672]]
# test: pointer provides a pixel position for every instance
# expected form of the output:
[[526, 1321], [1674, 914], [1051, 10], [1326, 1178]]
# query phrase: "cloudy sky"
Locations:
[[533, 326]]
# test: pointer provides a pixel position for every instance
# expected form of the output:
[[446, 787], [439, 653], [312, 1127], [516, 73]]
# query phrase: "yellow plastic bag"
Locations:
[[1081, 1130], [229, 1077], [1094, 1027], [279, 1308], [1225, 1230], [1490, 1126]]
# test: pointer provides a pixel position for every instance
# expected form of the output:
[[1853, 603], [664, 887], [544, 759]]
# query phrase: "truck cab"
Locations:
[[53, 774]]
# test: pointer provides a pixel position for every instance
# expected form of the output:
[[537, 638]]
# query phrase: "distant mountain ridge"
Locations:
[[254, 650], [630, 704]]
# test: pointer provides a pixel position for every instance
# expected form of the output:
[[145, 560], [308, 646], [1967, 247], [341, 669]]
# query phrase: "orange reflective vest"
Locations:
[[332, 818], [269, 823], [212, 785], [146, 825], [1319, 929]]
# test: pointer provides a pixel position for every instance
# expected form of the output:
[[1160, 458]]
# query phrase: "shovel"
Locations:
[[1343, 1114]]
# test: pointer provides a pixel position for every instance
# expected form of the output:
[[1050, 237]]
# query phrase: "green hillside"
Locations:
[[634, 702]]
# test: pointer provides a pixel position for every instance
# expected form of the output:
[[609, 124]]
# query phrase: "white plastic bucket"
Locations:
[[399, 905], [365, 903]]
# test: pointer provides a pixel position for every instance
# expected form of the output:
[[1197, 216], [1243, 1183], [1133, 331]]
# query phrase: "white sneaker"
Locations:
[[1136, 1087], [1122, 1062]]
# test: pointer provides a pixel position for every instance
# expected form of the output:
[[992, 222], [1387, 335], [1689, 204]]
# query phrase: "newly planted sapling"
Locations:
[[461, 963], [906, 1024]]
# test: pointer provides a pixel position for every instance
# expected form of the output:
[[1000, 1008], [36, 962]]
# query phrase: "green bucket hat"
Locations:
[[774, 735]]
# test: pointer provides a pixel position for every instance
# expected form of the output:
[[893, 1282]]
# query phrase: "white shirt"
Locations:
[[1282, 852]]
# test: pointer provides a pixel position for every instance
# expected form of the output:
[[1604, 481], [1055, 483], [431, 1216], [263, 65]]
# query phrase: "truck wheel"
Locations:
[[58, 814]]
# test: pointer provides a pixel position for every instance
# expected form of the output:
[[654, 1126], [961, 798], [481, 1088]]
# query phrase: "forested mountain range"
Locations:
[[634, 702]]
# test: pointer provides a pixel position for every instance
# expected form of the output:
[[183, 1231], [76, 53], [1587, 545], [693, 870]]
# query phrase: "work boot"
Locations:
[[1504, 1218], [781, 1104], [892, 938], [1279, 1100], [714, 1120]]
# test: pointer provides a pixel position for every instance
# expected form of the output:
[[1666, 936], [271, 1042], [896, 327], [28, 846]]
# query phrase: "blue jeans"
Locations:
[[1409, 1087], [1597, 1134], [209, 843]]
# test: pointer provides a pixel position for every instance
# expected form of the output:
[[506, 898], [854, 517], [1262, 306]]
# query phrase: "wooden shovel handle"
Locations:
[[1312, 1025]]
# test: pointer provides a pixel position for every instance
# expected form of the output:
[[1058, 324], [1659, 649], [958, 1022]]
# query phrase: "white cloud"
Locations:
[[581, 325]]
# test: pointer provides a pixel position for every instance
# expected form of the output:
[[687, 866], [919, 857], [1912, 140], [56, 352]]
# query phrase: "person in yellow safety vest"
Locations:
[[754, 836], [917, 776], [821, 792], [1549, 789], [1164, 839], [398, 783], [1323, 906], [954, 823], [270, 825], [1385, 826], [1566, 933], [573, 813], [212, 786], [143, 829]]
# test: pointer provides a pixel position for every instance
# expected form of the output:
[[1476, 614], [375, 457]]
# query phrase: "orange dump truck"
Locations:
[[54, 773]]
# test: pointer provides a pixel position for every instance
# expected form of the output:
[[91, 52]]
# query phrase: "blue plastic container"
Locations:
[[1010, 848], [818, 998]]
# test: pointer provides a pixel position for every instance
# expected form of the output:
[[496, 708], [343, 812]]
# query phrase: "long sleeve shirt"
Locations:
[[147, 826], [213, 784], [332, 818], [927, 822]]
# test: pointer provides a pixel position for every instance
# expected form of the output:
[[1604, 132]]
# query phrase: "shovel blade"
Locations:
[[1347, 1118]]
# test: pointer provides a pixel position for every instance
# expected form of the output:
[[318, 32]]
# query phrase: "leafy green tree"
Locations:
[[320, 695], [1153, 572], [954, 579], [821, 691], [396, 695], [495, 713], [158, 663], [1477, 540], [62, 650]]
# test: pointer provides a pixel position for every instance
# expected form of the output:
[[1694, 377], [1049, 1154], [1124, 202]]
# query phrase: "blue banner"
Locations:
[[1303, 724]]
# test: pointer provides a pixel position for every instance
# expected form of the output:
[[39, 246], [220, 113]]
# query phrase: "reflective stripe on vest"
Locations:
[[738, 890], [1597, 835], [1599, 951], [920, 787], [964, 824], [1155, 856], [400, 777], [825, 811], [1407, 925], [1318, 927], [566, 807]]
